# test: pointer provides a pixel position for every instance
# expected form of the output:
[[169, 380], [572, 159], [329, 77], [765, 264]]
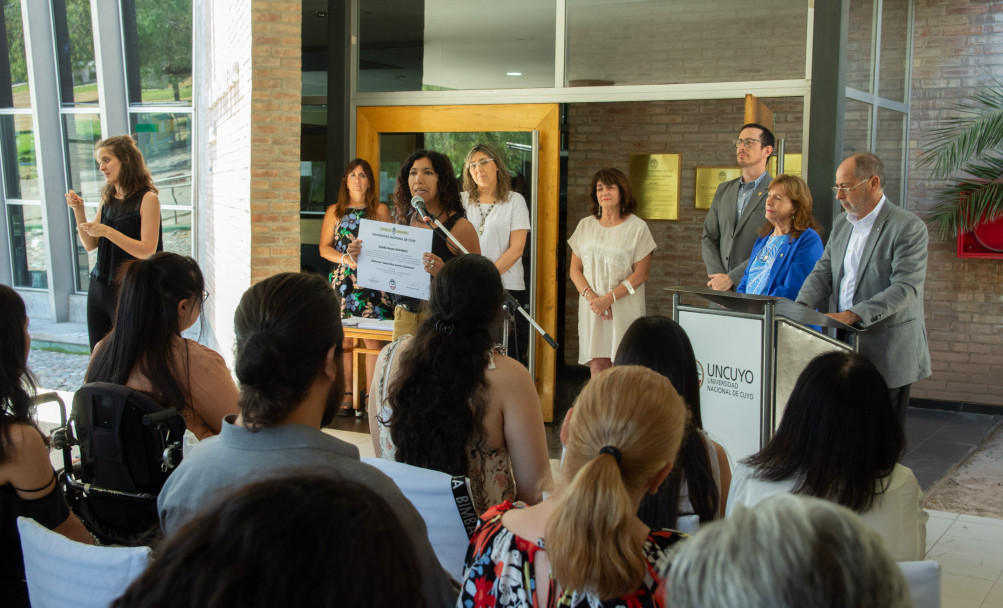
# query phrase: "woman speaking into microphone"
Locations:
[[428, 175]]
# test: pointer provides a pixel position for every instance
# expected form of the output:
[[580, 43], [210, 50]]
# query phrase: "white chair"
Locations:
[[62, 572], [923, 579], [445, 504]]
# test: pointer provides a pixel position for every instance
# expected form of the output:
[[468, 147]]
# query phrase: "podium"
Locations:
[[750, 351]]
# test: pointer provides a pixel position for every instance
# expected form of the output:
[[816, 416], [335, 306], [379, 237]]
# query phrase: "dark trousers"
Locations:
[[101, 302], [900, 403]]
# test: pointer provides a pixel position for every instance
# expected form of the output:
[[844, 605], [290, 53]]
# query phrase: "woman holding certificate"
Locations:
[[428, 175], [357, 200], [611, 254]]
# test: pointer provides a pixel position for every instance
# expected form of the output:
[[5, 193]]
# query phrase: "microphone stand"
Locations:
[[511, 303]]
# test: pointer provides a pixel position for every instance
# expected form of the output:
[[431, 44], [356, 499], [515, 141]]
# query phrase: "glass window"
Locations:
[[177, 226], [429, 46], [658, 42], [27, 245], [860, 45], [165, 138], [17, 153], [14, 72], [856, 127], [84, 260], [158, 51], [890, 148], [894, 57], [81, 132], [75, 52]]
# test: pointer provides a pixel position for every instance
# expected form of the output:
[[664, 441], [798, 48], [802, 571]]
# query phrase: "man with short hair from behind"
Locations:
[[738, 210], [289, 367]]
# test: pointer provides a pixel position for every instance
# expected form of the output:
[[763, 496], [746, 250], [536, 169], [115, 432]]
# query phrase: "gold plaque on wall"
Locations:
[[792, 164], [707, 181], [655, 180]]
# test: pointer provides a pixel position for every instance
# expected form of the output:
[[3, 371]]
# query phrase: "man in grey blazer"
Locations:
[[737, 211], [872, 273]]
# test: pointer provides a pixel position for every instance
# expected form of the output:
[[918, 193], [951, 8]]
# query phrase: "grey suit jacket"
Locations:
[[889, 292], [726, 247]]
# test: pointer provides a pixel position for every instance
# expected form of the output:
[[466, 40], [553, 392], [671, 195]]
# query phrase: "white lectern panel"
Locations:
[[729, 357]]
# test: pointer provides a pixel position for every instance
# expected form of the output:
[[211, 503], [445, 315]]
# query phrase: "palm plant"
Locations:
[[967, 153]]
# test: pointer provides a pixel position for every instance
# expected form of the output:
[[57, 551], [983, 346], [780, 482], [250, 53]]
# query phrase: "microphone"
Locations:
[[418, 204]]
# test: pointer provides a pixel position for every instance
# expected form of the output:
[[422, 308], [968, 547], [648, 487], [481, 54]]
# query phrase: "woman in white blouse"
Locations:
[[839, 439], [501, 218]]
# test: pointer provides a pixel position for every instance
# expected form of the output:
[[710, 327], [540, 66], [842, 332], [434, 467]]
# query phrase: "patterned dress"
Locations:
[[501, 572], [356, 301]]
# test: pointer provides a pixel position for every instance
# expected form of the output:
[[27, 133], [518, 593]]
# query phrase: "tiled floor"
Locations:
[[970, 552], [937, 440]]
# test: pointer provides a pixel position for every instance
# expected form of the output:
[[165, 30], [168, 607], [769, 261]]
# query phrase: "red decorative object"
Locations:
[[985, 242]]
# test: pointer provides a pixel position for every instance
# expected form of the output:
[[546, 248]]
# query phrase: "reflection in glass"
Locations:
[[158, 51], [890, 148], [856, 127], [27, 246], [84, 260], [14, 82], [313, 180], [423, 46], [177, 225], [165, 139], [82, 132], [17, 153], [860, 45], [895, 26], [658, 42], [75, 52]]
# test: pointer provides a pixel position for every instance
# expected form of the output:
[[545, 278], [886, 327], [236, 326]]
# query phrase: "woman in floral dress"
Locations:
[[584, 545], [357, 200]]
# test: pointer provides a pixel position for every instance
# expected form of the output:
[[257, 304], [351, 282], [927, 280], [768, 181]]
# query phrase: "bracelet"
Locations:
[[613, 293], [342, 262], [586, 291], [630, 288], [353, 259]]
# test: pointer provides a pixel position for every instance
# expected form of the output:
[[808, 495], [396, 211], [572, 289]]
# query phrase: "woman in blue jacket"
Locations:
[[789, 242]]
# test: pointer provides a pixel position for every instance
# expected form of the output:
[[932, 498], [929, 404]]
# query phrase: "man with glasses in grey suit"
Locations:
[[737, 211], [872, 273]]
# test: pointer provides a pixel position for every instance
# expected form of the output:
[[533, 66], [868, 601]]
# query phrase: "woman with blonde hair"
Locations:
[[584, 545]]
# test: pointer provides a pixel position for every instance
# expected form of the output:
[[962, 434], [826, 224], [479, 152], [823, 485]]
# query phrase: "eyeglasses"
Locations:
[[205, 296], [480, 163], [846, 189], [747, 143]]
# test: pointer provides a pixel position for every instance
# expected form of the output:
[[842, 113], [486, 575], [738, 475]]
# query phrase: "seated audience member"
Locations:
[[787, 552], [297, 541], [789, 242], [27, 482], [159, 298], [288, 362], [696, 490], [584, 546], [839, 439], [445, 400]]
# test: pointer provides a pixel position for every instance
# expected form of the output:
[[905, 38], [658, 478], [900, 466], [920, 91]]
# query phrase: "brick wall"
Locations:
[[606, 134], [249, 147], [956, 50]]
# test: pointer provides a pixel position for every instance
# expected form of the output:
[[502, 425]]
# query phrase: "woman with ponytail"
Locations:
[[445, 400], [159, 298], [584, 546]]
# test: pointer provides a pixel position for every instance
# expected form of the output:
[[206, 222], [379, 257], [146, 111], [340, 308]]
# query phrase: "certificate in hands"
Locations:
[[391, 258]]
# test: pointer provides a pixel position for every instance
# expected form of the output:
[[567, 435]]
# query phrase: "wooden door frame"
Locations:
[[545, 118]]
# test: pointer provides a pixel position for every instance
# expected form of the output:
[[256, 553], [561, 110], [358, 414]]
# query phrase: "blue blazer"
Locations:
[[794, 263]]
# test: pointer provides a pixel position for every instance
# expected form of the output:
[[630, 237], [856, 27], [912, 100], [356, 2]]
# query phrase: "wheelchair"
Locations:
[[129, 444]]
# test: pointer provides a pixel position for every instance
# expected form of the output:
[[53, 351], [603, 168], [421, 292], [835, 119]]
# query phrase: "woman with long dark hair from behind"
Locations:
[[304, 540], [27, 482], [127, 225], [584, 546], [159, 298], [839, 439], [445, 400], [696, 490]]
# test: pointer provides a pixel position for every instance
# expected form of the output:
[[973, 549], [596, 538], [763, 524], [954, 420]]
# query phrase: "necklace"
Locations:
[[484, 216]]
